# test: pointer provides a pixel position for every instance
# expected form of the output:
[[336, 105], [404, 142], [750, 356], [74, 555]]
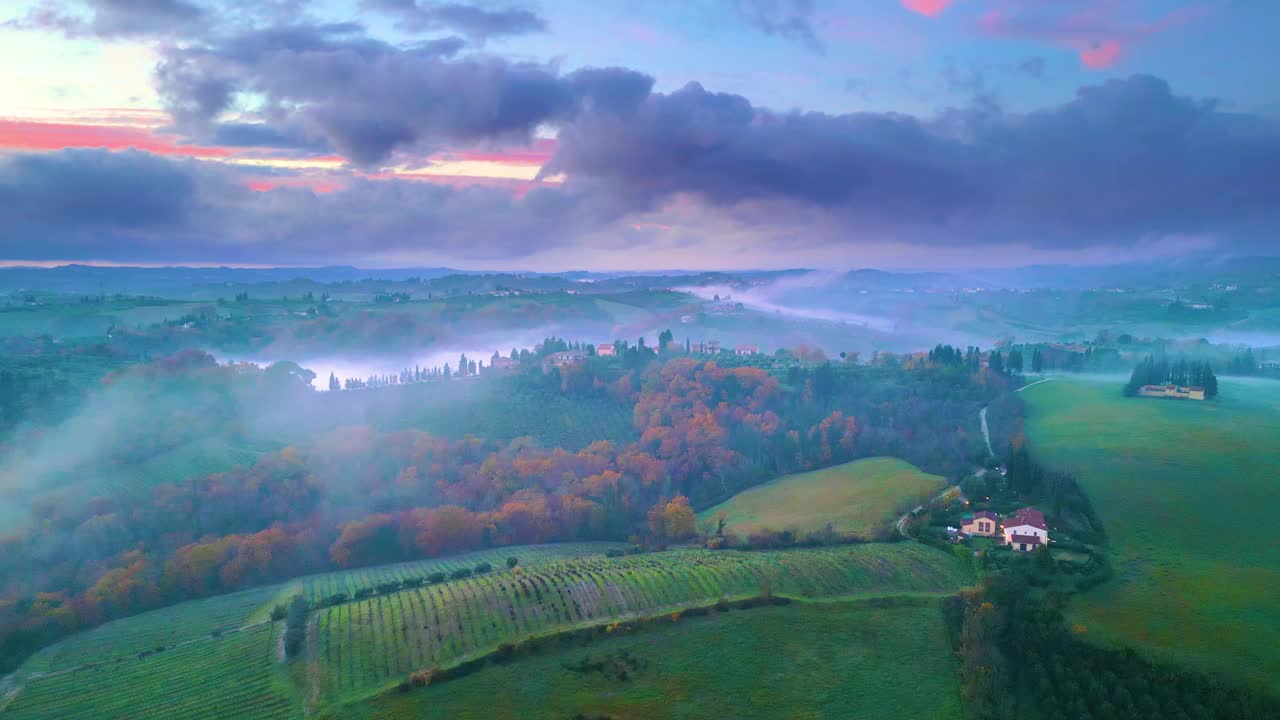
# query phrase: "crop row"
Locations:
[[156, 629], [227, 677], [366, 644], [319, 587]]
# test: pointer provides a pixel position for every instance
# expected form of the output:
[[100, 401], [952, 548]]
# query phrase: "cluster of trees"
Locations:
[[358, 496], [1244, 363], [1159, 371], [1019, 658]]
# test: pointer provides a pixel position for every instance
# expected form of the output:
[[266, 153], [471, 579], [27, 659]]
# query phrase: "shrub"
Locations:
[[412, 582], [278, 612], [389, 587], [513, 561], [336, 599], [461, 574], [295, 628], [363, 593], [614, 552], [483, 568], [435, 578]]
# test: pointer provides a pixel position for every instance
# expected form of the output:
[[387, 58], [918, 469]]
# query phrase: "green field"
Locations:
[[233, 676], [1186, 492], [219, 658], [822, 660], [860, 498], [368, 646]]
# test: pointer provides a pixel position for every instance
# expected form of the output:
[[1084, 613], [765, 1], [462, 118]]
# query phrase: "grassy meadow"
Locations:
[[803, 661], [1186, 491], [859, 498]]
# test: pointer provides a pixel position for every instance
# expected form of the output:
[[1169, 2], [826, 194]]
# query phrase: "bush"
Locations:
[[435, 578], [278, 613], [363, 593], [461, 574], [614, 552], [513, 561], [295, 625], [336, 599], [413, 582], [483, 568], [389, 587]]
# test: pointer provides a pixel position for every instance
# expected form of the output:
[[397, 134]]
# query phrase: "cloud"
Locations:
[[1123, 160], [1120, 164], [928, 8], [1095, 29], [368, 99], [790, 19], [116, 18], [134, 206], [477, 23]]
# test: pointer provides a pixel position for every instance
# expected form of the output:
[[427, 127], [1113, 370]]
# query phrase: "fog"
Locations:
[[767, 298]]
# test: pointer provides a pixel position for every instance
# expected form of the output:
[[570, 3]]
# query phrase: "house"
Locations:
[[981, 523], [713, 347], [746, 350], [503, 363], [605, 350], [1026, 530], [560, 359], [1193, 392]]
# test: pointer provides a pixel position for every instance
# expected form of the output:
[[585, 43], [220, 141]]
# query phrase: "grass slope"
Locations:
[[368, 646], [830, 660], [1187, 494], [860, 498]]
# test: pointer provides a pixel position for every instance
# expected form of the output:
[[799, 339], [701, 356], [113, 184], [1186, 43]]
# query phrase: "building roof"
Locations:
[[1028, 516], [1025, 540], [986, 515]]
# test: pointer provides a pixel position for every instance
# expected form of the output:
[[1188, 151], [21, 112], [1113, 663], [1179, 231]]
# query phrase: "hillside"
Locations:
[[1186, 491], [828, 660], [358, 648], [860, 498]]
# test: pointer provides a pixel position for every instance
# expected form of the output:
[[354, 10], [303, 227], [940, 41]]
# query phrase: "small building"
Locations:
[[560, 359], [1025, 523], [605, 350], [981, 524], [1178, 392], [503, 364], [713, 347], [746, 350]]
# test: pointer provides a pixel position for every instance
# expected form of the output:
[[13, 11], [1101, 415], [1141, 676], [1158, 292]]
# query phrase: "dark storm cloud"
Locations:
[[132, 206], [1122, 160], [369, 99], [790, 19], [115, 18], [477, 23]]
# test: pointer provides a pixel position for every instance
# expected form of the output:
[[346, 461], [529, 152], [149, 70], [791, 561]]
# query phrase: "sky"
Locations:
[[637, 134]]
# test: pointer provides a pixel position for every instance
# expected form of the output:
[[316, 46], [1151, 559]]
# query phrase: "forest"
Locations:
[[337, 496], [1183, 372]]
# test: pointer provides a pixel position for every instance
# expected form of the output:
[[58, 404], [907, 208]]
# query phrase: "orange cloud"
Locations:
[[928, 8]]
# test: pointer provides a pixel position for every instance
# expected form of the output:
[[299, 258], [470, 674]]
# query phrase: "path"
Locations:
[[1024, 387], [986, 434], [932, 500]]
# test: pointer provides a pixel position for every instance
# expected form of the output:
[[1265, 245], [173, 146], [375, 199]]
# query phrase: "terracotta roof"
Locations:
[[1025, 540], [1028, 516]]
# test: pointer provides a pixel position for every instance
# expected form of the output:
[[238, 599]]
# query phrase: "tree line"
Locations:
[[1181, 372]]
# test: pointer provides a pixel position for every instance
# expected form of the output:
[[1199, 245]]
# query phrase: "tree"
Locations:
[[664, 339], [1037, 361], [333, 382], [996, 363], [672, 521], [462, 365]]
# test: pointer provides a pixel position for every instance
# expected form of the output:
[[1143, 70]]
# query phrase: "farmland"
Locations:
[[821, 660], [859, 498], [1186, 491], [318, 587], [366, 646], [234, 675]]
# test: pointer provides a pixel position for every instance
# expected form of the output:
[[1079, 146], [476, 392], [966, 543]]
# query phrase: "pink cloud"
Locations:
[[1102, 56], [928, 8], [43, 136], [1092, 28], [320, 186]]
